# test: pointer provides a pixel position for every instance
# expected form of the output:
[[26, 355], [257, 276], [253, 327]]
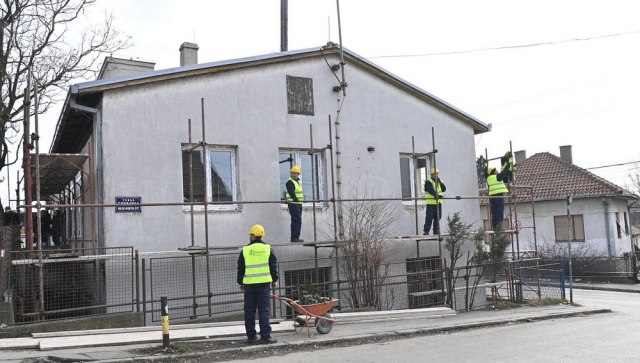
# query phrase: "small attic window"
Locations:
[[300, 95]]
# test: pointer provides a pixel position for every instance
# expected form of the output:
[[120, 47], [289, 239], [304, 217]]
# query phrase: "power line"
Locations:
[[610, 165], [507, 46]]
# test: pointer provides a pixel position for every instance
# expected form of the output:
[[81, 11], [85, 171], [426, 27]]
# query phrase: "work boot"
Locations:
[[252, 340], [268, 340], [425, 233], [297, 240]]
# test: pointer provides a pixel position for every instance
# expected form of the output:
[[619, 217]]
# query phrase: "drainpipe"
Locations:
[[607, 224], [97, 165]]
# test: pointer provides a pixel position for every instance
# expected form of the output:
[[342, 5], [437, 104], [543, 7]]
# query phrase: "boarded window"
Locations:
[[562, 228], [300, 95]]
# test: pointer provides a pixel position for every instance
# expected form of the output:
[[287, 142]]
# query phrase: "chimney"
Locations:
[[188, 54], [565, 154], [114, 67], [520, 156]]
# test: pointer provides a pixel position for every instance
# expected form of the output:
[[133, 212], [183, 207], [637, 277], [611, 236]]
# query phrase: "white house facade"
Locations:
[[255, 117], [596, 220]]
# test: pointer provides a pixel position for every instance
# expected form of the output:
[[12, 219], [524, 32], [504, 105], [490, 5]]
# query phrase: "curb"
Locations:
[[603, 288], [414, 332]]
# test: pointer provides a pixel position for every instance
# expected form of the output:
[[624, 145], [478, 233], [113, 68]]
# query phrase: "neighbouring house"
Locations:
[[598, 212], [255, 117]]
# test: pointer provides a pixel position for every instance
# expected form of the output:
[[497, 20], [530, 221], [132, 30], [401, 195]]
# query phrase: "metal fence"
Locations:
[[414, 283], [623, 268], [58, 284], [476, 286]]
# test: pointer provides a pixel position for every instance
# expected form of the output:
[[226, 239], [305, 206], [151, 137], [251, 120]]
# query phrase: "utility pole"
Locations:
[[284, 25], [569, 200]]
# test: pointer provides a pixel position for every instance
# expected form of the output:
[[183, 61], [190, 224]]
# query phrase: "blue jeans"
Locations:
[[257, 296], [497, 212], [295, 210], [431, 218]]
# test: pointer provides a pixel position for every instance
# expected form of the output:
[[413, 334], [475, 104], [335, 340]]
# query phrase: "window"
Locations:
[[412, 173], [618, 226], [306, 281], [425, 282], [577, 228], [300, 95], [217, 179], [311, 176]]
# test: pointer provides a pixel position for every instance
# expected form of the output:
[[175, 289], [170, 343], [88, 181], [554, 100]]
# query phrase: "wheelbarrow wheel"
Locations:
[[324, 326]]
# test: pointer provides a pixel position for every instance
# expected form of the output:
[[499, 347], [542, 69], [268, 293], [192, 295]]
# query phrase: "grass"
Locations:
[[508, 304]]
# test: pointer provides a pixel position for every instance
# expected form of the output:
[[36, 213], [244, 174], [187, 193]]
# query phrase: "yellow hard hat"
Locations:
[[491, 170], [256, 230], [434, 170], [295, 169]]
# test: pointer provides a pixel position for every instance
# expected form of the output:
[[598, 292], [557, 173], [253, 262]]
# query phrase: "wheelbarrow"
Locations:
[[318, 312]]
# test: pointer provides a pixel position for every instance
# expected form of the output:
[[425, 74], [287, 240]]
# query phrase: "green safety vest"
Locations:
[[431, 199], [256, 263], [299, 193], [495, 186]]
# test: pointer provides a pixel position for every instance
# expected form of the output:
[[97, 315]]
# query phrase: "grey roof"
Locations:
[[98, 86]]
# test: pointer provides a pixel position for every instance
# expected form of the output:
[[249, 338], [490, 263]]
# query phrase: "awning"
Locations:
[[56, 172]]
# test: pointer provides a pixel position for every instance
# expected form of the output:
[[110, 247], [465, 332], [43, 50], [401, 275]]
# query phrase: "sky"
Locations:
[[543, 73]]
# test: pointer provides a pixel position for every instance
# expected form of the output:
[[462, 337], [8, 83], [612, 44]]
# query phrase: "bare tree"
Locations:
[[37, 49], [367, 225]]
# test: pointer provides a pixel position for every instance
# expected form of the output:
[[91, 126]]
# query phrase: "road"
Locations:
[[611, 337]]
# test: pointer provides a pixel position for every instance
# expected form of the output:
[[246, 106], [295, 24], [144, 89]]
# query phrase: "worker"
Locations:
[[295, 197], [433, 187], [257, 269], [507, 159], [497, 188]]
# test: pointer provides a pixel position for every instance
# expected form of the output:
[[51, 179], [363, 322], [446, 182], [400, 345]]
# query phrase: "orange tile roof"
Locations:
[[553, 178]]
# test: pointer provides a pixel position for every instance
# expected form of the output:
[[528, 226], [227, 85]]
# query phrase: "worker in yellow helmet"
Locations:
[[497, 188], [295, 197], [257, 269], [433, 189]]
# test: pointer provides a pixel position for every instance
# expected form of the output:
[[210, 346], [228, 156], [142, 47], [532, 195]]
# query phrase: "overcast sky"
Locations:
[[543, 73]]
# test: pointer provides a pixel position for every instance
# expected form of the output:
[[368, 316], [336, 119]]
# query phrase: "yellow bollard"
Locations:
[[165, 322]]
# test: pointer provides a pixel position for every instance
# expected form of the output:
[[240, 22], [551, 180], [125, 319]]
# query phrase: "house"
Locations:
[[143, 133], [599, 209]]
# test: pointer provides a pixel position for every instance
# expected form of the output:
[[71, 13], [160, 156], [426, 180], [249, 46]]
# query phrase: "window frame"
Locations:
[[233, 150], [563, 218], [319, 179], [415, 178]]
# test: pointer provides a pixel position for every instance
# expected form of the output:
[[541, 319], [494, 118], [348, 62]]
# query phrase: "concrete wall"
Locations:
[[595, 225], [144, 127]]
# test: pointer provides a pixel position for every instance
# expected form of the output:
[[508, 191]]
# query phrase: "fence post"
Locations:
[[562, 291], [137, 279], [144, 292], [165, 322]]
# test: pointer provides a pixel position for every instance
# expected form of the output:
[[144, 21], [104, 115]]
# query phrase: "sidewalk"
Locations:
[[605, 286], [352, 327]]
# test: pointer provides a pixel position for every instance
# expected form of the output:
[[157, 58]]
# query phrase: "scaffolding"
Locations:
[[67, 181]]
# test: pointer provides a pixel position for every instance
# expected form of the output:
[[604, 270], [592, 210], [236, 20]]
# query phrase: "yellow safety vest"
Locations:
[[299, 193], [256, 263], [495, 186], [430, 199]]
